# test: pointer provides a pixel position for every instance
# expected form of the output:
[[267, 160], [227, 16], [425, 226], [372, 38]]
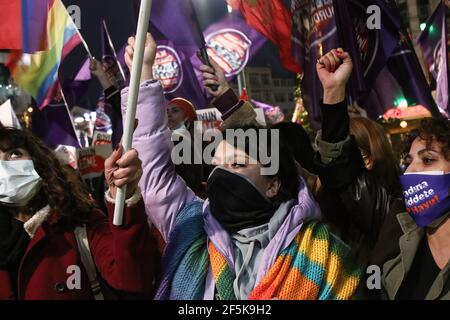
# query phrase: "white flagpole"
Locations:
[[84, 44], [141, 38]]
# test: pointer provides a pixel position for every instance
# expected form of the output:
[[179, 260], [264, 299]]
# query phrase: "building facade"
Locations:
[[262, 86]]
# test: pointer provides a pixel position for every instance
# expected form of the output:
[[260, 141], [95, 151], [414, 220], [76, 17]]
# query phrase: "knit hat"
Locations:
[[186, 106]]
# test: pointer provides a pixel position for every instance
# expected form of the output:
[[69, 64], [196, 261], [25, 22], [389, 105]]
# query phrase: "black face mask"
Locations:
[[235, 202]]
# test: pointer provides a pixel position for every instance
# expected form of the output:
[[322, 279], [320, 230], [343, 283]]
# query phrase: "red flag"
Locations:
[[11, 25], [274, 21], [244, 95]]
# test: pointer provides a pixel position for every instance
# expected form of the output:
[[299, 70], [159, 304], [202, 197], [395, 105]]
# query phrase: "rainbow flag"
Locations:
[[38, 73]]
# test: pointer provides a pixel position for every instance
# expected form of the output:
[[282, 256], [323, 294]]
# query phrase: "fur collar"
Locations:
[[36, 221]]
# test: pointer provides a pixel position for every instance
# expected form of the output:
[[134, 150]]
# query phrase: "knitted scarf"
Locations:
[[315, 266]]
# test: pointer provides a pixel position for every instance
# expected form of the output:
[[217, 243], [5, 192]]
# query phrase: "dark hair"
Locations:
[[432, 130], [287, 170], [371, 138], [296, 138], [60, 189]]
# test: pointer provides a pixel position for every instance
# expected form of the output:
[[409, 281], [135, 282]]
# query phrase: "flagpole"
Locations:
[[70, 115], [84, 43], [444, 27], [141, 38], [111, 45]]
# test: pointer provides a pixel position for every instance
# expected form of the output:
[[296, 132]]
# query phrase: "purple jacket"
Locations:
[[165, 194]]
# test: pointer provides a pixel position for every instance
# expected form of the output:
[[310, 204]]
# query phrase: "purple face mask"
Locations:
[[427, 196]]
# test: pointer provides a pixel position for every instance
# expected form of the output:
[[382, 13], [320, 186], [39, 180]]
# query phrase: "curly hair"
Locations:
[[433, 130], [64, 193]]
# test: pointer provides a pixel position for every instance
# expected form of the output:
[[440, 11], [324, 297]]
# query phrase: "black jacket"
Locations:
[[357, 207]]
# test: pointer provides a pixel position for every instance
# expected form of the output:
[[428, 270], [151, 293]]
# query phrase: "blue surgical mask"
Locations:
[[427, 196]]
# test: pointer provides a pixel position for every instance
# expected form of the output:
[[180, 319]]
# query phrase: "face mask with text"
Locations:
[[427, 195]]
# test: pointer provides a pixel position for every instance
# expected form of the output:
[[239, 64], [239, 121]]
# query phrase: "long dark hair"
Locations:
[[60, 188], [371, 138]]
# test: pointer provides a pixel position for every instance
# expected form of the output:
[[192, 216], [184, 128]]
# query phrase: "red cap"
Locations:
[[186, 106]]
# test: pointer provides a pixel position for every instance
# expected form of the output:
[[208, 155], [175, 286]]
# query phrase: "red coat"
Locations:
[[126, 258]]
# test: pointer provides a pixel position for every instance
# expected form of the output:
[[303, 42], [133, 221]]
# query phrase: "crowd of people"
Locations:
[[333, 210]]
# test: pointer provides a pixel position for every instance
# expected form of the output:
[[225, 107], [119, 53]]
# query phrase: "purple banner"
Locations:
[[175, 19], [176, 74], [231, 44], [405, 67], [313, 34], [75, 89], [54, 126], [385, 65], [378, 52], [433, 42]]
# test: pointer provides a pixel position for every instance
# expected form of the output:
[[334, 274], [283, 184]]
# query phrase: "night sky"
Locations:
[[120, 19]]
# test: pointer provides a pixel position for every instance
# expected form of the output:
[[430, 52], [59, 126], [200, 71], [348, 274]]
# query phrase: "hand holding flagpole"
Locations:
[[141, 38]]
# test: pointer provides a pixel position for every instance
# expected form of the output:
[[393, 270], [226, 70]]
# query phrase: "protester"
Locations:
[[359, 195], [181, 117], [248, 240], [110, 100], [108, 107], [181, 114], [420, 269], [376, 151], [53, 243]]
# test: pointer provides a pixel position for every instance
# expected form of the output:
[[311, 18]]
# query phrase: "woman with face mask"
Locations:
[[421, 270], [181, 116], [420, 267], [53, 243], [257, 236]]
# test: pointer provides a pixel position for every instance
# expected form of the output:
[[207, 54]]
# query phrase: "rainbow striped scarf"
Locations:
[[316, 266]]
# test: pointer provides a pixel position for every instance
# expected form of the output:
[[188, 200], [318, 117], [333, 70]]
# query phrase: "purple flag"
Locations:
[[433, 41], [405, 67], [175, 19], [75, 89], [84, 74], [385, 66], [313, 35], [377, 51], [370, 49], [175, 72], [231, 43], [348, 41], [54, 126], [273, 114]]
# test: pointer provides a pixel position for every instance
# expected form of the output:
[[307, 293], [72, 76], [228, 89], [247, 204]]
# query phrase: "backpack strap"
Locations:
[[88, 262]]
